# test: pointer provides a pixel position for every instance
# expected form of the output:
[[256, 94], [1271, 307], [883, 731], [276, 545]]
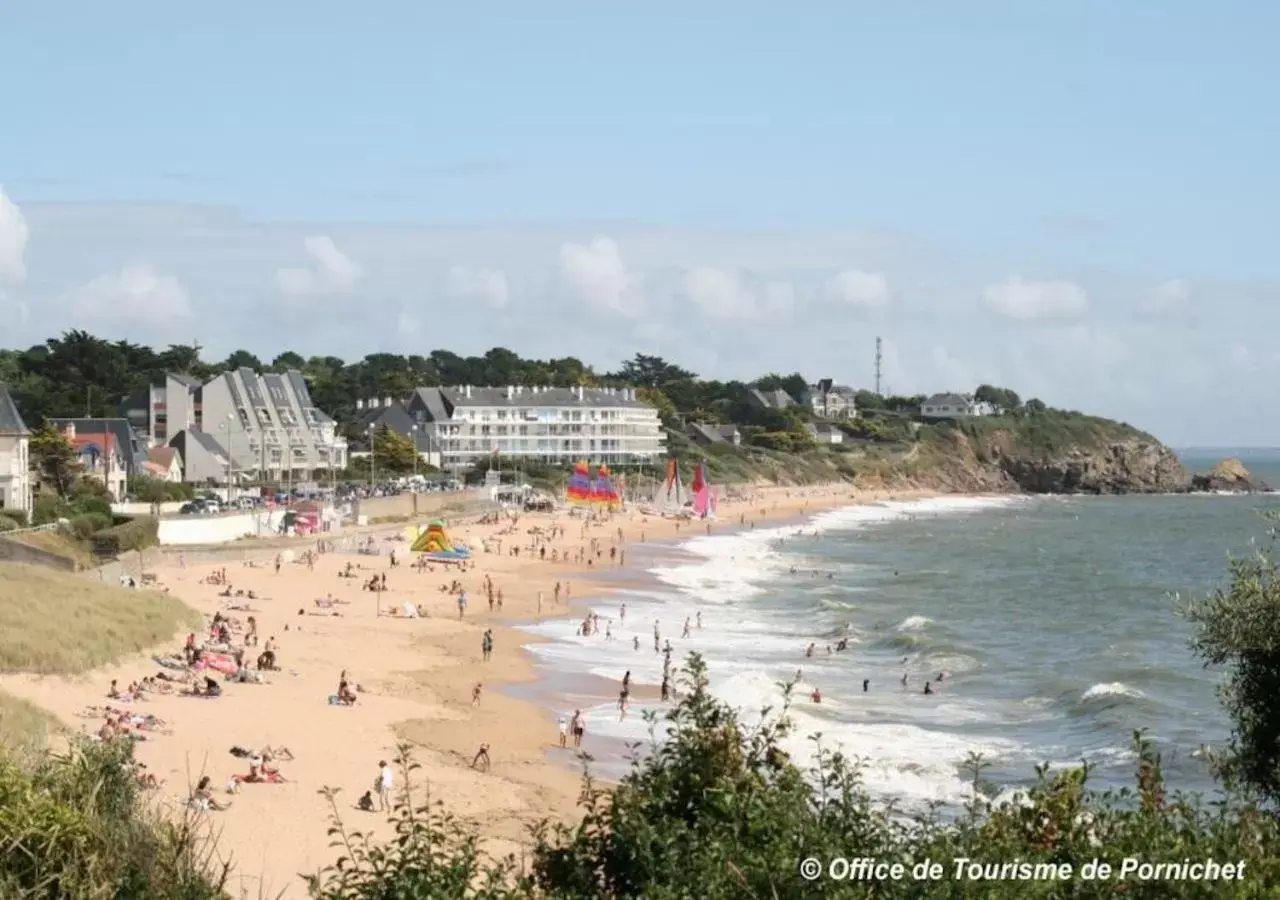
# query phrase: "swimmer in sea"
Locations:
[[928, 688], [866, 685], [904, 679]]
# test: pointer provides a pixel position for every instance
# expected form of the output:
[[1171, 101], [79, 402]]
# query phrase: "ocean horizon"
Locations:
[[1052, 619]]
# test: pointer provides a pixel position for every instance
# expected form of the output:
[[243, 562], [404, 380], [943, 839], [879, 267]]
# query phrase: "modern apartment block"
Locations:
[[552, 425], [241, 425]]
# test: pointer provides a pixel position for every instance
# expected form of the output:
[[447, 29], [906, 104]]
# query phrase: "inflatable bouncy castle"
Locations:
[[435, 544]]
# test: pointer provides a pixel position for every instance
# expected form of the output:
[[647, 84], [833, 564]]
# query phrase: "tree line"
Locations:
[[79, 374]]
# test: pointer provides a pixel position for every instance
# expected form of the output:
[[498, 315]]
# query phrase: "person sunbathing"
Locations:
[[202, 798]]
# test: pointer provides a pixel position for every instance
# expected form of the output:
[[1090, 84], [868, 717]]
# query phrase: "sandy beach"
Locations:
[[415, 678]]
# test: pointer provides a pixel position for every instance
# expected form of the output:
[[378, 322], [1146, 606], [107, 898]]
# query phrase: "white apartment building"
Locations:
[[553, 425], [15, 458], [242, 425]]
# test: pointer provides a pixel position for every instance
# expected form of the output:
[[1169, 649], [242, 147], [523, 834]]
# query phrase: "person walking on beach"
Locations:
[[699, 618], [564, 732], [687, 624], [462, 604], [475, 694], [383, 783], [557, 593], [578, 726], [486, 644]]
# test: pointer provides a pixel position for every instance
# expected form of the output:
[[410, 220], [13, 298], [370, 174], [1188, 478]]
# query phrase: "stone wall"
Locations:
[[18, 552]]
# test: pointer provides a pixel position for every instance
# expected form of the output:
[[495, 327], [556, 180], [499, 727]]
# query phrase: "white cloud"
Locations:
[[14, 234], [1030, 300], [779, 298], [136, 295], [1146, 370], [718, 294], [858, 289], [598, 277], [332, 272], [489, 286], [1170, 297]]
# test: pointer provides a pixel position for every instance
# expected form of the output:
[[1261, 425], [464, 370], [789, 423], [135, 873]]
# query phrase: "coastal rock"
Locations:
[[1002, 461], [1125, 467], [1230, 476]]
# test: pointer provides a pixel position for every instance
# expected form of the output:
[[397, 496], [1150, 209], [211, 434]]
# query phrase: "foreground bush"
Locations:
[[74, 826], [136, 534], [717, 811]]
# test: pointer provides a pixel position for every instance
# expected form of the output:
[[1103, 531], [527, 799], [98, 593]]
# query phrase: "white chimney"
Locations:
[[581, 391], [468, 392], [511, 391], [359, 404], [386, 402]]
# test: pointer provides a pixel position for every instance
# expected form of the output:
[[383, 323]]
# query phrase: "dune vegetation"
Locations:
[[57, 623]]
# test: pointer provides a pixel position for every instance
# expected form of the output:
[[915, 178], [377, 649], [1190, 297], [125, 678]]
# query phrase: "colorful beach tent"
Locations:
[[586, 489], [578, 491]]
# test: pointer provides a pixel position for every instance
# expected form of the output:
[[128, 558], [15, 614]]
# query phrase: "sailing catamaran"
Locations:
[[706, 496], [671, 499]]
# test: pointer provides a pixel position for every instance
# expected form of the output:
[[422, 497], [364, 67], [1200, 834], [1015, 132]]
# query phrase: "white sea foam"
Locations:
[[1112, 689], [914, 623], [750, 648]]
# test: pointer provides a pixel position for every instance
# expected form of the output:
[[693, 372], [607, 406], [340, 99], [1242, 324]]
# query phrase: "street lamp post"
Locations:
[[413, 433], [226, 426], [372, 430]]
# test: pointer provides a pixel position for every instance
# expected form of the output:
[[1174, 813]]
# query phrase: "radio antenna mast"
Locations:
[[879, 359]]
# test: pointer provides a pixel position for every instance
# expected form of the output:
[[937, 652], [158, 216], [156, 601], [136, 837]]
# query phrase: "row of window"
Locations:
[[544, 414]]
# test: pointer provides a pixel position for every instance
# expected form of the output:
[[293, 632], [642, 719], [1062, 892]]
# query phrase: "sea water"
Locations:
[[1051, 617]]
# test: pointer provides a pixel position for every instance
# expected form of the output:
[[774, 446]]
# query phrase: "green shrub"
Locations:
[[84, 525], [49, 508], [135, 534], [8, 524], [74, 825]]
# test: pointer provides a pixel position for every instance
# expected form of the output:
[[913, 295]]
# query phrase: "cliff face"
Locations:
[[1067, 456]]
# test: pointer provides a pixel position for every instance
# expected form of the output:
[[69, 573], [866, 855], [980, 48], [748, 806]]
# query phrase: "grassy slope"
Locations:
[[56, 623], [1047, 433], [59, 545]]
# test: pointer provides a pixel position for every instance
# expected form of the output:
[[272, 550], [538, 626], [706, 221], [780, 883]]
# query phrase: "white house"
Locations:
[[554, 425], [15, 458], [101, 457], [829, 400], [164, 464], [946, 406], [824, 433]]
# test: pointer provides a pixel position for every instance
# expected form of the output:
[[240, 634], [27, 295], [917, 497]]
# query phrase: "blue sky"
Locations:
[[1075, 199]]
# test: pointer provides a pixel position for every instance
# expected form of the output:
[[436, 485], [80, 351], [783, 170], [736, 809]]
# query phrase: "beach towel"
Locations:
[[335, 700], [169, 662], [267, 778], [221, 663]]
